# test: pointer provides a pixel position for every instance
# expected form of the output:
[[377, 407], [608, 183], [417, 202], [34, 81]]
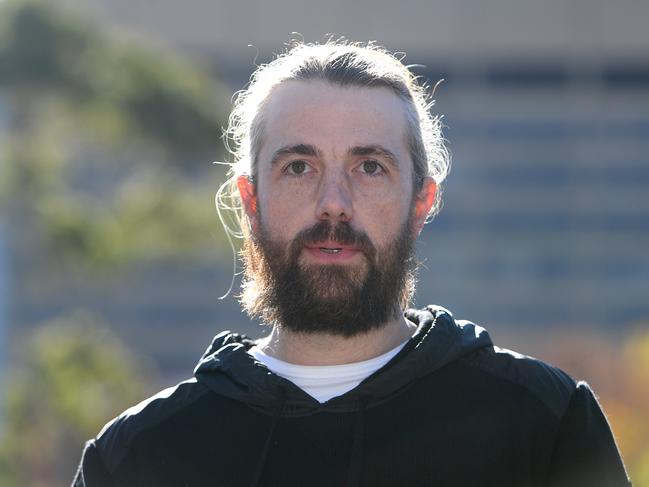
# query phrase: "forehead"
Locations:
[[333, 118]]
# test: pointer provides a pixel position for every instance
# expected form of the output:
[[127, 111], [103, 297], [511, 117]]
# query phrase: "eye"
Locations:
[[297, 168], [371, 167]]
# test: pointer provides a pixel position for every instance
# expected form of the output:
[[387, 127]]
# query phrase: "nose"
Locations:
[[334, 200]]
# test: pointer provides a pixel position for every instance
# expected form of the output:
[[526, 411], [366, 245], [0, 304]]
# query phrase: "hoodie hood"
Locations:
[[227, 369]]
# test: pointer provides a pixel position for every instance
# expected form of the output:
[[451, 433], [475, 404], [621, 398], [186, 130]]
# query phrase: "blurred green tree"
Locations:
[[107, 147], [70, 376]]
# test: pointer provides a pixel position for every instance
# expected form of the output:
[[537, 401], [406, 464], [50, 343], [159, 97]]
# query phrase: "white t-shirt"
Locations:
[[325, 381]]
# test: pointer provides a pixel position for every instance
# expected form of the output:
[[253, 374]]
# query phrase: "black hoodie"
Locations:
[[450, 409]]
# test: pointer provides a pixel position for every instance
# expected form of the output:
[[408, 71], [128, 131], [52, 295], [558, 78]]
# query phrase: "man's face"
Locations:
[[332, 211]]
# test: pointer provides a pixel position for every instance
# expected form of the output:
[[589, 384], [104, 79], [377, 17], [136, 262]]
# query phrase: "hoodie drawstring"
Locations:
[[262, 461], [356, 458]]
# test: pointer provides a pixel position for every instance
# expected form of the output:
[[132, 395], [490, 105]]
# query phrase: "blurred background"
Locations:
[[112, 258]]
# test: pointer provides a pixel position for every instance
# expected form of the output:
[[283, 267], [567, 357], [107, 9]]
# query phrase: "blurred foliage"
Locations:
[[630, 410], [108, 144], [72, 376], [105, 151], [154, 93], [619, 374]]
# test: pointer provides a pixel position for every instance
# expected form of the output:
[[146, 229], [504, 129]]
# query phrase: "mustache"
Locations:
[[341, 232]]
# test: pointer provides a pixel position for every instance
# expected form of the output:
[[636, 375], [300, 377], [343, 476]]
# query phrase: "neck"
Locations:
[[329, 349]]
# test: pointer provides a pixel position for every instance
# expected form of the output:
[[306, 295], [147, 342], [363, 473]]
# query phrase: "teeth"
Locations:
[[330, 251]]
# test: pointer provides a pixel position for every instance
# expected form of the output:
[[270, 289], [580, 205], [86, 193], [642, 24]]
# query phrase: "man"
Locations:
[[337, 168]]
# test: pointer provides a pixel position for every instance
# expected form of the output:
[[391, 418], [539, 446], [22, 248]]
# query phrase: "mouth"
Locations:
[[328, 250], [331, 252]]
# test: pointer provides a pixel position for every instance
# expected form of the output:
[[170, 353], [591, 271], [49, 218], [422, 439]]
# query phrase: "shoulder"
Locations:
[[549, 384], [115, 438]]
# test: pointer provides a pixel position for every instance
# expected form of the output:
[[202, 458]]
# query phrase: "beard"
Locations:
[[344, 300]]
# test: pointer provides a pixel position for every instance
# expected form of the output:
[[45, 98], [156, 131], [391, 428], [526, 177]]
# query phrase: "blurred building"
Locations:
[[4, 277], [546, 214]]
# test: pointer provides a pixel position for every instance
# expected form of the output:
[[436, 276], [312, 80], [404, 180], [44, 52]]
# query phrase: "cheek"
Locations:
[[284, 214], [383, 218], [388, 201]]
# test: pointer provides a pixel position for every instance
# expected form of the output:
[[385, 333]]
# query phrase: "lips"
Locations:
[[330, 247], [331, 251]]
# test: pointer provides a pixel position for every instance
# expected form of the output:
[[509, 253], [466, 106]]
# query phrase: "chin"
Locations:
[[333, 279]]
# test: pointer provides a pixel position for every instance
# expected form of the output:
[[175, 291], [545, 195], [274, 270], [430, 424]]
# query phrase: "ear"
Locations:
[[248, 194], [424, 201]]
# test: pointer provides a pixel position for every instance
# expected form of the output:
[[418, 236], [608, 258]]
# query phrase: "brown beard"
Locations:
[[345, 300]]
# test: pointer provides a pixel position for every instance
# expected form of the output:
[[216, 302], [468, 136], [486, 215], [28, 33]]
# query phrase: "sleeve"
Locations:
[[585, 452], [91, 471]]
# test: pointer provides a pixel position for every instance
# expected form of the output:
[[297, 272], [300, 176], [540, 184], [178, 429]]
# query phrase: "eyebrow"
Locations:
[[297, 149]]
